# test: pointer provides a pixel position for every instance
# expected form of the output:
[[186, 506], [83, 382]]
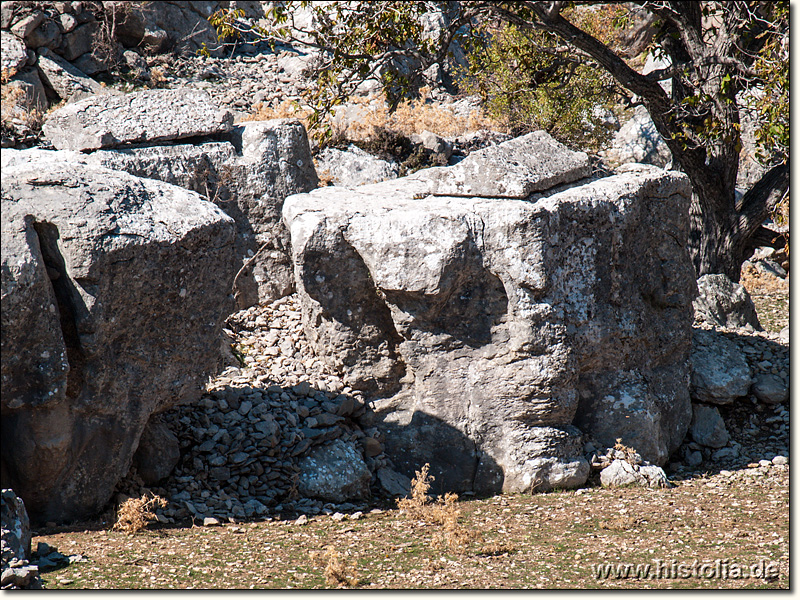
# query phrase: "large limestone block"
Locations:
[[114, 291], [495, 334], [148, 116], [248, 176], [514, 169]]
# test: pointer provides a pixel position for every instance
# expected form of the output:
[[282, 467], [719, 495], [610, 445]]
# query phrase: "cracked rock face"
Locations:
[[494, 334], [114, 290]]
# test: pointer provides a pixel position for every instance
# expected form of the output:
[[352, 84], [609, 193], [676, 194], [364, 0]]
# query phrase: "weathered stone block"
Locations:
[[114, 290], [494, 334], [149, 116]]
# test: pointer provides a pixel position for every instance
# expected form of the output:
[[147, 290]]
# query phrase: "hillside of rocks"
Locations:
[[202, 301]]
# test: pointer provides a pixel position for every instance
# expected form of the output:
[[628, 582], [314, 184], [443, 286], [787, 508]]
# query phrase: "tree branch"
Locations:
[[761, 199]]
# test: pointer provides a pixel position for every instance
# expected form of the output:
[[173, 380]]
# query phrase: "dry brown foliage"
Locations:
[[756, 281], [337, 571], [288, 109], [157, 77], [630, 453], [410, 117], [135, 514], [443, 512]]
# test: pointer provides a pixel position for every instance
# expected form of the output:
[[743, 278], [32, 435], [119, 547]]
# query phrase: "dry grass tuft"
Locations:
[[444, 513], [756, 281], [135, 514], [497, 549], [288, 109], [416, 505], [337, 571], [630, 453], [453, 536]]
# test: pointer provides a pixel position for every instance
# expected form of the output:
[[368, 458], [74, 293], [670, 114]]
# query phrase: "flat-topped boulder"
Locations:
[[514, 169], [151, 116], [495, 336], [114, 292]]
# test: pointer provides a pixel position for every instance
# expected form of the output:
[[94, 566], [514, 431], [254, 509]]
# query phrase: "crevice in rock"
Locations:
[[65, 293]]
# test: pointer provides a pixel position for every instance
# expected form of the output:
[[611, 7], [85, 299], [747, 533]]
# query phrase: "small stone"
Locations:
[[770, 389], [337, 516], [356, 516], [302, 389], [210, 522], [780, 460], [725, 453], [245, 407], [764, 463], [301, 520], [239, 458], [707, 427], [694, 458], [372, 447]]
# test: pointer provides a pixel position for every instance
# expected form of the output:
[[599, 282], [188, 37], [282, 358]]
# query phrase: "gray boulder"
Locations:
[[720, 372], [66, 80], [114, 290], [708, 428], [770, 389], [17, 572], [147, 116], [14, 55], [395, 484], [354, 167], [433, 143], [335, 473], [638, 141], [491, 332], [248, 176], [621, 473], [16, 528], [722, 303], [158, 452]]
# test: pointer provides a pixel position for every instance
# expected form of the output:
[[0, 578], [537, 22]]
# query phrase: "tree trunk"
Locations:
[[723, 235], [714, 242]]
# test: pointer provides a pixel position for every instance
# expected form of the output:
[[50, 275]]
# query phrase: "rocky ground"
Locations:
[[257, 531], [243, 444]]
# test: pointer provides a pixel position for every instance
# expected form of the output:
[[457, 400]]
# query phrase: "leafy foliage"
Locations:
[[529, 80]]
